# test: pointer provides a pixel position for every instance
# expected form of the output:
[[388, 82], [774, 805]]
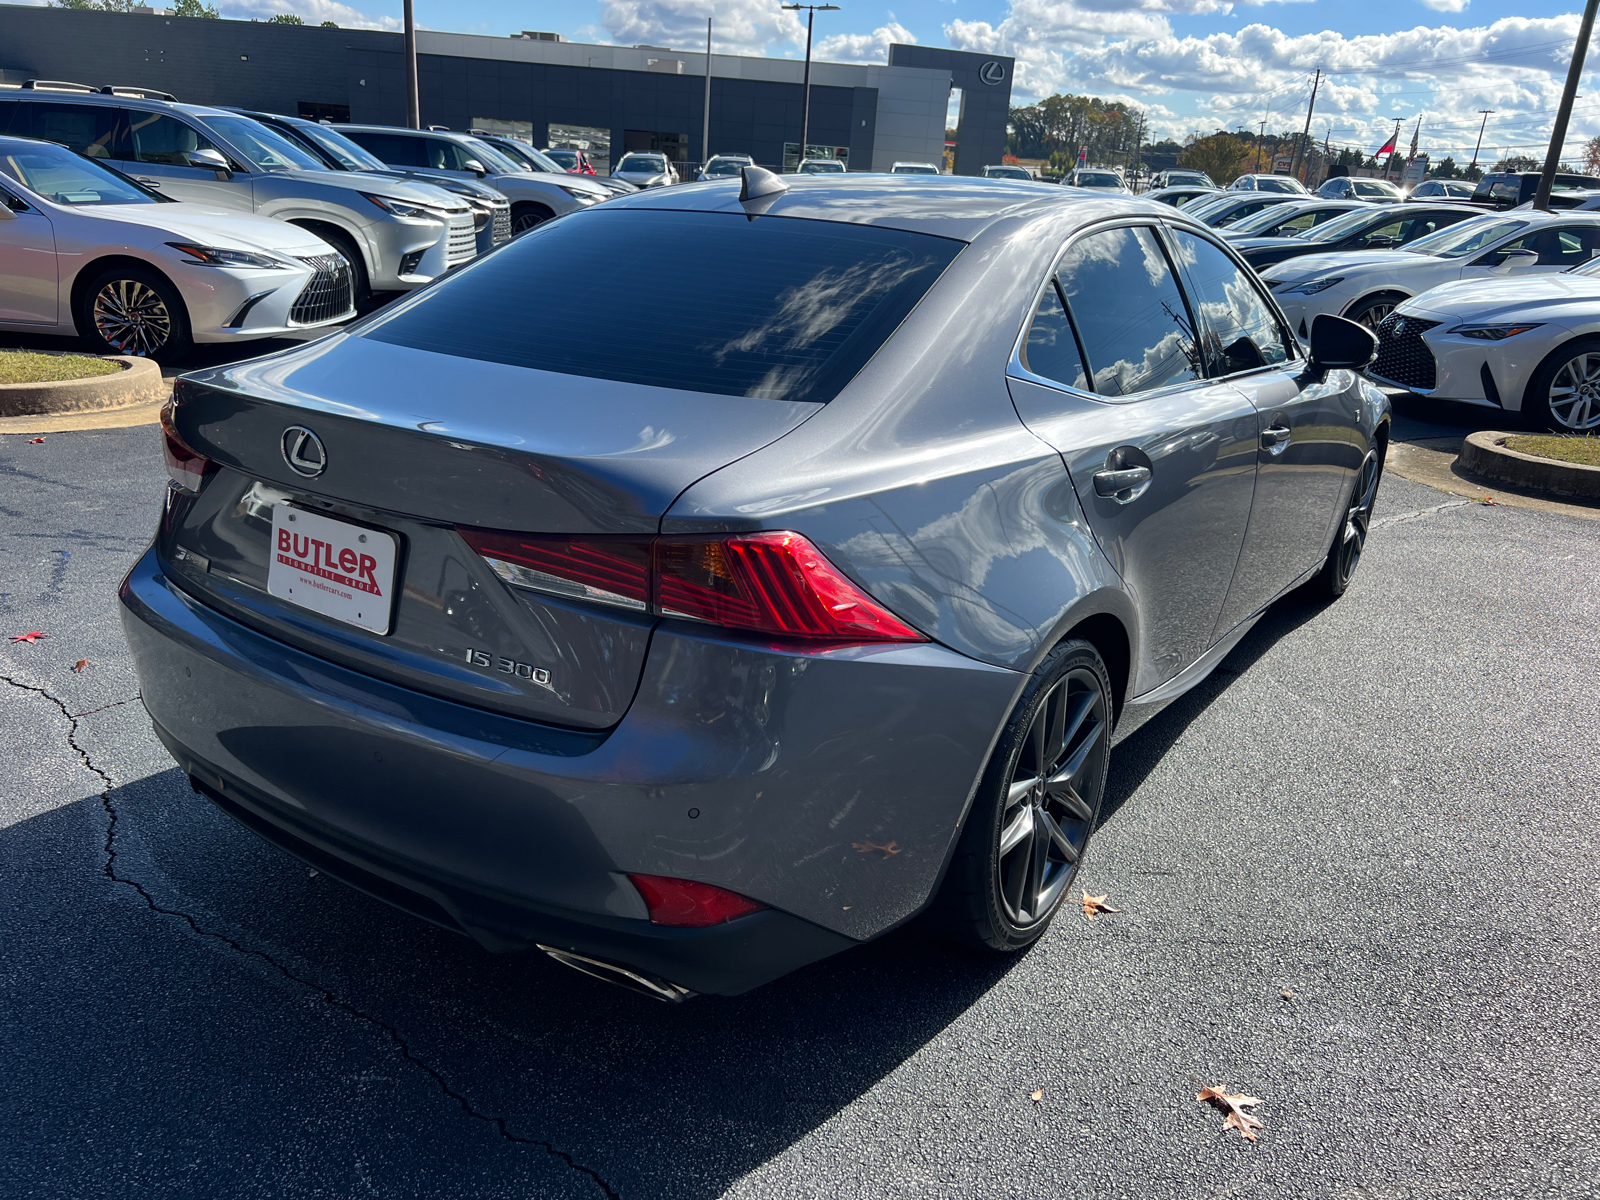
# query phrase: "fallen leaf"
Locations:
[[1234, 1106], [1095, 904], [35, 441], [1287, 993], [1037, 1095], [869, 847], [30, 638], [1490, 501], [80, 665]]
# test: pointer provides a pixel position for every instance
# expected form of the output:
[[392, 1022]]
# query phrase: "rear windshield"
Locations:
[[793, 311]]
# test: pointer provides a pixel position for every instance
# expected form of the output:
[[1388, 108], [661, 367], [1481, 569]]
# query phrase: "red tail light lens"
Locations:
[[610, 570], [774, 583], [187, 469], [690, 905], [770, 583]]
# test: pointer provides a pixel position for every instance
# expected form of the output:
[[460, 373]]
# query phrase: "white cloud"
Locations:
[[312, 12], [863, 47], [1450, 6], [740, 26]]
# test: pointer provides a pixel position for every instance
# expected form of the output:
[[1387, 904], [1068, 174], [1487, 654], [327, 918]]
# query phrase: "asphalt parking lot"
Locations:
[[1356, 868]]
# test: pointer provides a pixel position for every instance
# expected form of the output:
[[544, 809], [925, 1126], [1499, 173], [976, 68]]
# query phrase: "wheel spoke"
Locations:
[[1074, 723], [1076, 760], [1017, 828], [1058, 837], [1038, 859], [1019, 789], [1062, 791], [1016, 880]]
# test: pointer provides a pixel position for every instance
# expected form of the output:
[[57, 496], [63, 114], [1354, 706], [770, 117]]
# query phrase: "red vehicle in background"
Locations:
[[574, 162]]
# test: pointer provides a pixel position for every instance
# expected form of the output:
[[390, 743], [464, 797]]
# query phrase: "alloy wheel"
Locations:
[[1372, 316], [1358, 518], [1046, 821], [132, 317], [1574, 398], [526, 221]]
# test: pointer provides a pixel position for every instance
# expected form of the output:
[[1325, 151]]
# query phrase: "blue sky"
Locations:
[[1194, 65]]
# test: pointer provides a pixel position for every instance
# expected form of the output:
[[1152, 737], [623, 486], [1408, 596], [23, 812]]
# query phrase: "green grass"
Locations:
[[1584, 450], [26, 366]]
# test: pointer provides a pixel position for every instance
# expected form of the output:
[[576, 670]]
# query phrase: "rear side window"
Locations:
[[395, 149], [91, 129], [1135, 325], [775, 308], [1051, 350]]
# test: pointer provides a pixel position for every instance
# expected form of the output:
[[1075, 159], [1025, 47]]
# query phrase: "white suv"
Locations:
[[397, 234]]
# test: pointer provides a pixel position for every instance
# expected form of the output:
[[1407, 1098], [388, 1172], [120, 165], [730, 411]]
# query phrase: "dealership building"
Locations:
[[548, 91]]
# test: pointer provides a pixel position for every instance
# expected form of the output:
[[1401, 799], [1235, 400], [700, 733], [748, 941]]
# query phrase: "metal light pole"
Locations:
[[1306, 133], [705, 123], [1558, 135], [805, 108], [413, 96], [1482, 125]]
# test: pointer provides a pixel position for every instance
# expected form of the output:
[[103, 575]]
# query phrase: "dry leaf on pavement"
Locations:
[[35, 441], [1234, 1106], [1095, 904], [30, 638], [1037, 1095], [80, 665], [869, 847]]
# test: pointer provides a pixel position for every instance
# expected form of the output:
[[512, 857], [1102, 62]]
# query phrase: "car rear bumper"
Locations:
[[829, 787]]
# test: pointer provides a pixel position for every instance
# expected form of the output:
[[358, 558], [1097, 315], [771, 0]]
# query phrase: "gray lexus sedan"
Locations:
[[695, 637]]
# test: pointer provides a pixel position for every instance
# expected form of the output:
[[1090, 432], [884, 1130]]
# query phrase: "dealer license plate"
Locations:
[[332, 567]]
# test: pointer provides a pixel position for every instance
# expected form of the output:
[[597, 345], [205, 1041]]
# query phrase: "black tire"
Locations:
[[527, 216], [360, 281], [1010, 874], [1573, 372], [1370, 310], [134, 310], [1350, 539]]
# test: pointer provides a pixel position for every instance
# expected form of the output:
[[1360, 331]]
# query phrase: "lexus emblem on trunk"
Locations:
[[303, 451]]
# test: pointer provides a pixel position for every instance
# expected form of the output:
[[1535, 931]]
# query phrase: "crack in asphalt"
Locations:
[[1419, 514], [499, 1124]]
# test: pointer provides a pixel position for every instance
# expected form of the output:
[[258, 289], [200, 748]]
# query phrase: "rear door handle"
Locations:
[[1121, 486], [149, 183], [1275, 438]]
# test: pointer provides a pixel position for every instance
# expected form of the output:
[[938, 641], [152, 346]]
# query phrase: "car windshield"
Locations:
[[1279, 183], [1466, 238], [725, 166], [1098, 179], [821, 168], [645, 164], [64, 177], [530, 158], [340, 148], [1343, 227], [792, 312], [1007, 173], [264, 149], [1183, 177], [1376, 187], [915, 169], [1203, 205], [1273, 214], [497, 162], [567, 158]]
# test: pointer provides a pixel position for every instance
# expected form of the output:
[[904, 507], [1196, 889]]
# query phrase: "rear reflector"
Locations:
[[187, 469], [689, 905], [773, 582]]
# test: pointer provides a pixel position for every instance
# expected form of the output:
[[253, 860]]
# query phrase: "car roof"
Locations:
[[954, 206], [60, 95], [438, 134]]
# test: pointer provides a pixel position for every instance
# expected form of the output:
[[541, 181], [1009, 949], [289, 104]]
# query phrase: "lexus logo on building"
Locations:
[[992, 73], [303, 451]]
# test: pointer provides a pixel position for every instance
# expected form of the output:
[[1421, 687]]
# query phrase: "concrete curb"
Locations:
[[138, 383], [1485, 453]]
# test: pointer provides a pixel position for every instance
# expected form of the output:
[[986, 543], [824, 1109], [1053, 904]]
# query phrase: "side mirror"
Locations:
[[476, 167], [1340, 344], [210, 160], [1516, 260]]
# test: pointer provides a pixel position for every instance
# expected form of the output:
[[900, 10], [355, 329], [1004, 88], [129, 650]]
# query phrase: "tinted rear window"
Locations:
[[776, 308]]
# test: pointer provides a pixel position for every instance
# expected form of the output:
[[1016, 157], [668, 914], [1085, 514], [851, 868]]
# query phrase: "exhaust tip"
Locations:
[[624, 977]]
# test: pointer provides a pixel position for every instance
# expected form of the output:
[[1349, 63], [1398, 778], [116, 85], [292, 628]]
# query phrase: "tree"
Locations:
[[329, 25], [194, 8], [1221, 156], [1060, 124], [1517, 162], [286, 19], [1446, 168], [1591, 156]]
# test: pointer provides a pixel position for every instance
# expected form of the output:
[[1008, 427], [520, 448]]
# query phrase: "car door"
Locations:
[[1308, 446], [29, 289], [158, 149], [1163, 459]]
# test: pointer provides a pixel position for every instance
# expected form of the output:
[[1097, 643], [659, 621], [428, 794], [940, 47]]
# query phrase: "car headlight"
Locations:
[[405, 208], [1312, 286], [579, 194], [212, 256], [1494, 333]]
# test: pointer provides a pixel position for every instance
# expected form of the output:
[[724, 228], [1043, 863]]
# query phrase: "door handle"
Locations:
[[149, 183], [1275, 438], [1122, 486]]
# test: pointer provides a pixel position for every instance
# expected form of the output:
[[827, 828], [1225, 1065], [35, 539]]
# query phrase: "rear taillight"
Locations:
[[773, 582], [690, 905], [187, 468]]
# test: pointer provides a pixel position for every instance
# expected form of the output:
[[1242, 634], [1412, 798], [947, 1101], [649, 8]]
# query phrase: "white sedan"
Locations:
[[1529, 345], [86, 251], [1365, 285]]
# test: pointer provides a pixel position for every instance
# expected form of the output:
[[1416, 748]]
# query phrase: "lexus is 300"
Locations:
[[695, 638]]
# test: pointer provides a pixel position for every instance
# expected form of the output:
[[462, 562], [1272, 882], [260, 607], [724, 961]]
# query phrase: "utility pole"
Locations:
[[705, 121], [1487, 113], [413, 96], [805, 107], [1259, 140], [1310, 108], [1558, 135]]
